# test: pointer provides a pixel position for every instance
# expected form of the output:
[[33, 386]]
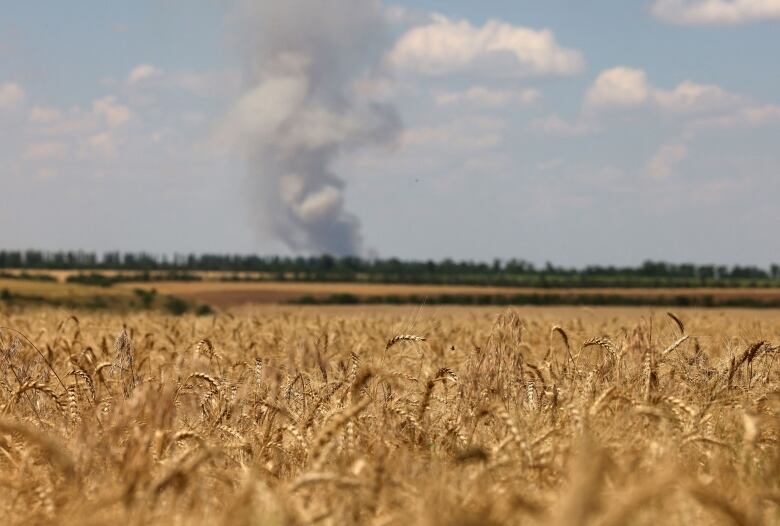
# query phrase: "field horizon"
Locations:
[[220, 290]]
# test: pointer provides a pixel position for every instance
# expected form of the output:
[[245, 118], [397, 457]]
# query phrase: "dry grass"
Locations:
[[59, 291], [338, 417]]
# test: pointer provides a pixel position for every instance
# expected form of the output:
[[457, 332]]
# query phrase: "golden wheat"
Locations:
[[285, 416]]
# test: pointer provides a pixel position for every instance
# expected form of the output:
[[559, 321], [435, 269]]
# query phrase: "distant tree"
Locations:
[[146, 297], [176, 306]]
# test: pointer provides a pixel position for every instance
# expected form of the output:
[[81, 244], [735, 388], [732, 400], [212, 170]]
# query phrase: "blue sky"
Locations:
[[573, 132]]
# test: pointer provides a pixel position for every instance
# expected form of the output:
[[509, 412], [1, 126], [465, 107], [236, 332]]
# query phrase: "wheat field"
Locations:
[[275, 416]]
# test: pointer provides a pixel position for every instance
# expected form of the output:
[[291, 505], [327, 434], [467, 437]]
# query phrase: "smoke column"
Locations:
[[300, 110]]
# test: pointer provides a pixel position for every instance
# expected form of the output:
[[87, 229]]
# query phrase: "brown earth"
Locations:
[[55, 290], [236, 293]]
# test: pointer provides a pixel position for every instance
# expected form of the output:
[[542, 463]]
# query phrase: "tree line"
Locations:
[[514, 272]]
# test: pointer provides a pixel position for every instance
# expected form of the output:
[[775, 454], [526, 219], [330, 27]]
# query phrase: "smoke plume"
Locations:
[[300, 110]]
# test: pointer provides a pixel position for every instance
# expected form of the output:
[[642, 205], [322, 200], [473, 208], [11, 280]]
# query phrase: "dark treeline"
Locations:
[[514, 272], [705, 301]]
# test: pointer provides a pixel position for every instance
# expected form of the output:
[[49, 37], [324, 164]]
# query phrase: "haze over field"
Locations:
[[571, 132]]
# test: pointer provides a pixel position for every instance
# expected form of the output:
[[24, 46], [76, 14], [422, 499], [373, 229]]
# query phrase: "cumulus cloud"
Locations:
[[74, 122], [690, 97], [471, 134], [11, 95], [751, 116], [143, 72], [206, 83], [406, 16], [694, 106], [557, 126], [115, 114], [663, 163], [41, 151], [102, 144], [618, 87], [487, 97], [44, 115], [715, 12], [625, 87], [445, 46]]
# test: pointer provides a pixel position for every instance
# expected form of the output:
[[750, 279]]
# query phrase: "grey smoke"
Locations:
[[300, 111]]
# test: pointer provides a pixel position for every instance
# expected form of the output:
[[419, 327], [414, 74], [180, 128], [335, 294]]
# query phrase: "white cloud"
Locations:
[[72, 123], [398, 15], [444, 46], [482, 96], [472, 133], [557, 126], [618, 87], [11, 95], [747, 117], [689, 97], [44, 115], [663, 163], [103, 144], [45, 151], [624, 87], [209, 83], [143, 72], [715, 12], [529, 96], [114, 113]]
